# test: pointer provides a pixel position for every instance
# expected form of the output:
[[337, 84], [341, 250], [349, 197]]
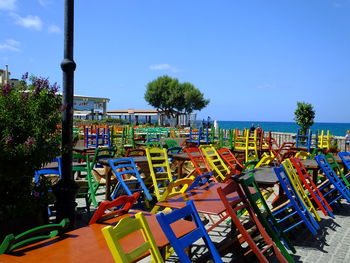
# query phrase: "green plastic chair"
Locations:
[[171, 143], [88, 186], [266, 218], [336, 168], [12, 242]]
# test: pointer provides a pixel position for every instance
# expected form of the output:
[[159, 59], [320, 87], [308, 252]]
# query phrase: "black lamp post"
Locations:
[[66, 189]]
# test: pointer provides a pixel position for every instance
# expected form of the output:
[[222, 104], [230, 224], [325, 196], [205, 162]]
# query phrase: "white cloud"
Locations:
[[28, 21], [54, 29], [11, 45], [164, 67], [45, 2], [7, 5]]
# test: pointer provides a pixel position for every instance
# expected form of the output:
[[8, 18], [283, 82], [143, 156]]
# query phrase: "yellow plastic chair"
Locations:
[[179, 186], [302, 155], [299, 189], [125, 227], [324, 140], [265, 160], [251, 146], [160, 172], [221, 171]]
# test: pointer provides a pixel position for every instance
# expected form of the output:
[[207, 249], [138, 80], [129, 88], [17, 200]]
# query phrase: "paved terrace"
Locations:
[[332, 244]]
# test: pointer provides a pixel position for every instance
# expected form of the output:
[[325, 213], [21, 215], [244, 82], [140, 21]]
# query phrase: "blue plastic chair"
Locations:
[[180, 244], [338, 186], [200, 180], [99, 138], [199, 137], [294, 203], [126, 166], [345, 157], [43, 172]]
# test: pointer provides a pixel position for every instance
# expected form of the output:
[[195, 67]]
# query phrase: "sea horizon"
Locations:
[[335, 128]]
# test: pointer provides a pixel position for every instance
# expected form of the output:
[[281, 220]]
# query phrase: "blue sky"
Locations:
[[254, 59]]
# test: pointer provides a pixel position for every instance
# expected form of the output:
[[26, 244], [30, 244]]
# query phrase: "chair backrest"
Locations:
[[102, 153], [125, 227], [125, 168], [33, 235], [235, 166], [175, 149], [235, 207], [336, 168], [135, 152], [217, 165], [171, 143], [311, 187], [47, 171], [179, 186], [332, 176], [125, 201], [264, 214], [298, 187], [226, 138], [179, 244], [265, 160], [200, 180], [159, 167], [295, 201], [345, 157], [198, 160], [156, 144]]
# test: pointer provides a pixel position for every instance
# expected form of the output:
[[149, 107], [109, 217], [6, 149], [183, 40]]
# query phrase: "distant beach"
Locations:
[[337, 129]]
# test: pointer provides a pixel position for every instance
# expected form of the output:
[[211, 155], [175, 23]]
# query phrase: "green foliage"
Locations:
[[172, 97], [304, 115], [29, 115]]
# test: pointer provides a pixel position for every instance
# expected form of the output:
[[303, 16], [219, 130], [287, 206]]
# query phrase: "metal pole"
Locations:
[[66, 189]]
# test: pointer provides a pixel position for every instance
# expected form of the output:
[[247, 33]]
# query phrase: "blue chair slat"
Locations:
[[122, 166], [179, 244], [333, 178], [295, 203]]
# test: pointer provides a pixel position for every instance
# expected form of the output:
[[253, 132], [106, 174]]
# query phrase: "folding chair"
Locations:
[[293, 207], [298, 188], [127, 174], [233, 208], [180, 244], [124, 200], [338, 186], [125, 227], [310, 186], [160, 171], [221, 171], [234, 165], [265, 216], [12, 242]]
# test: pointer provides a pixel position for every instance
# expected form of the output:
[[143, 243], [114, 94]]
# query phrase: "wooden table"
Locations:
[[264, 176], [181, 158], [87, 244]]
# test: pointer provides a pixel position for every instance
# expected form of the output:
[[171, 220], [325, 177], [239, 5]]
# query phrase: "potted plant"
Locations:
[[29, 138]]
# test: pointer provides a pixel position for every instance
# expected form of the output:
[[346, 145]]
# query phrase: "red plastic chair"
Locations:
[[310, 186], [235, 166], [126, 201], [198, 160]]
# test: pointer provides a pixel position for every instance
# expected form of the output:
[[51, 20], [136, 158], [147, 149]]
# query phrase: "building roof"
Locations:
[[132, 111]]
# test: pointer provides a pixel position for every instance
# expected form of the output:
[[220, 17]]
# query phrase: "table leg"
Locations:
[[108, 182]]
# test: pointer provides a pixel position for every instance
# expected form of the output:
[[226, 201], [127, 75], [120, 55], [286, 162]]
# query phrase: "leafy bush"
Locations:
[[30, 111]]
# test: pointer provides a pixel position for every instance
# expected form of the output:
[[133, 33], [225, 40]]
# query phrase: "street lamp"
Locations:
[[66, 189]]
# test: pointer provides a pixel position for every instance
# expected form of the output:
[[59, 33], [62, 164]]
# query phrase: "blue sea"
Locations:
[[337, 129]]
